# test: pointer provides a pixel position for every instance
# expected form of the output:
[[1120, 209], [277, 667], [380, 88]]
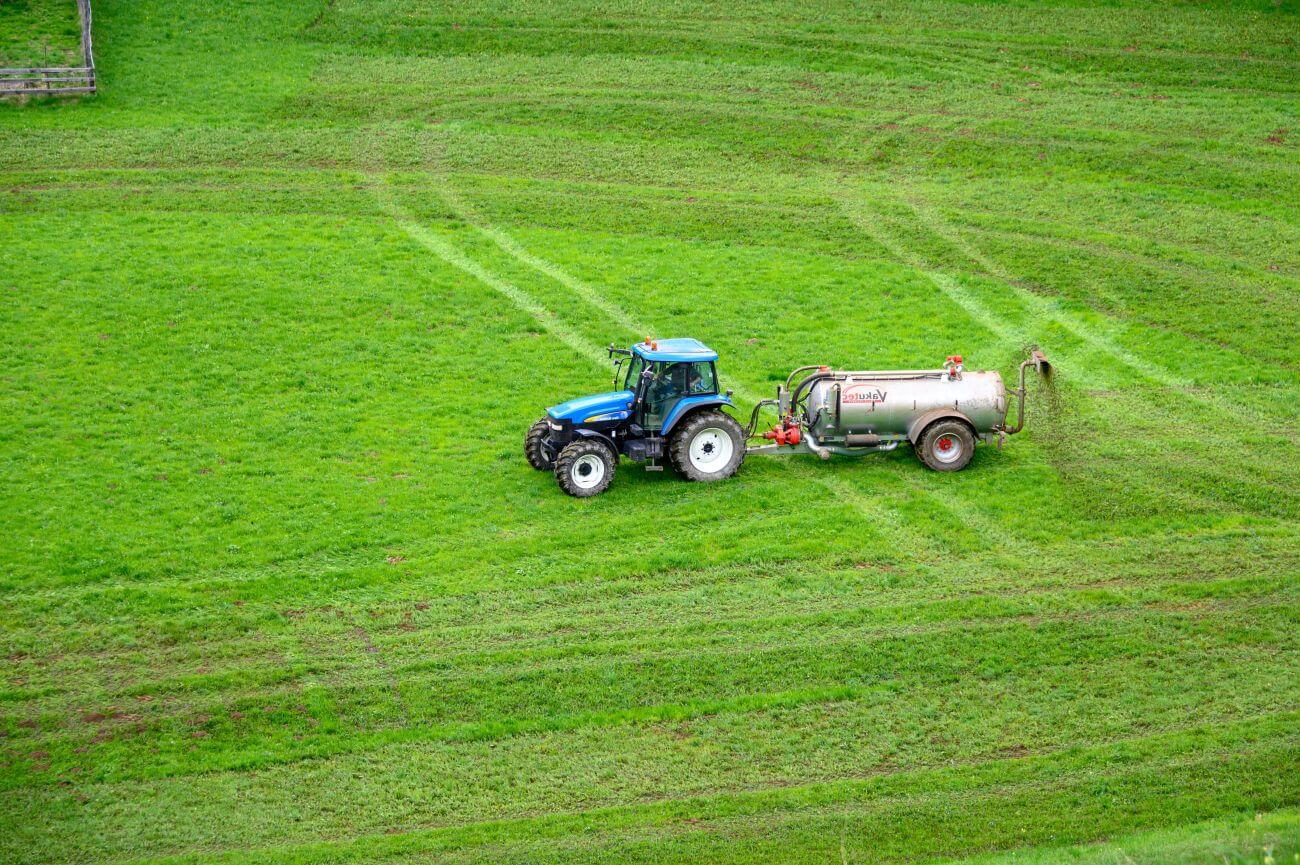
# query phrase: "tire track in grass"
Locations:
[[1040, 310], [1087, 333], [1042, 307], [899, 534], [1051, 310], [457, 259], [873, 223], [512, 248]]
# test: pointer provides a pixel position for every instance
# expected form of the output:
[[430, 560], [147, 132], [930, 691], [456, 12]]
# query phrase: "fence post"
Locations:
[[87, 51]]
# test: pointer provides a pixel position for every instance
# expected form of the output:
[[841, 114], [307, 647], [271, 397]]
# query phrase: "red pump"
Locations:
[[785, 435]]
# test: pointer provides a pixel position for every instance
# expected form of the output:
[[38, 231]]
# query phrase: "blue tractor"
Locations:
[[667, 408]]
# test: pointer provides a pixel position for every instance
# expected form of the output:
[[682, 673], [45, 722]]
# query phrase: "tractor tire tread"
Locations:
[[574, 451], [679, 445], [533, 439]]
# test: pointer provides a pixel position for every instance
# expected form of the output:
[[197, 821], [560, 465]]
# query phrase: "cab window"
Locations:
[[671, 382], [702, 379]]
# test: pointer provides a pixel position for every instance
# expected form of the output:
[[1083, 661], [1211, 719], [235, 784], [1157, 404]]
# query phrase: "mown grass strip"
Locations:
[[527, 700], [1179, 764]]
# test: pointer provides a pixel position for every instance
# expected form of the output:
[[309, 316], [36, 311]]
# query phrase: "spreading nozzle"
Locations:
[[1041, 363]]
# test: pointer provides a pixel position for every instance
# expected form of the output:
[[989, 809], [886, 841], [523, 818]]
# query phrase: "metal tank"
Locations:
[[891, 404], [940, 412]]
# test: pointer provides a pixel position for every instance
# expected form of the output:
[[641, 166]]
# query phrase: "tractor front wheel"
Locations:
[[533, 449], [708, 446], [584, 468]]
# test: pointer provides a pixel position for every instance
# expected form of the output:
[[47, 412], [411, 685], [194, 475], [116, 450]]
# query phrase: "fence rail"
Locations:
[[68, 79], [55, 80]]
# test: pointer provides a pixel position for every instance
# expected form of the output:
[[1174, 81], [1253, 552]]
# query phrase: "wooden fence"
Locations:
[[56, 80]]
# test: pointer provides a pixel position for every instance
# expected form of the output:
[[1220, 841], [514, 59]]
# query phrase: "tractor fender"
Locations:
[[581, 433], [917, 426], [689, 404]]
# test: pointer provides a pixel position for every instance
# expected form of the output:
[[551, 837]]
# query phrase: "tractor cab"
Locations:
[[672, 370], [665, 387]]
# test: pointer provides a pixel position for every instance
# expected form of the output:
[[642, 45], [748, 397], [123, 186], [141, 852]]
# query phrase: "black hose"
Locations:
[[795, 372], [753, 417], [795, 394]]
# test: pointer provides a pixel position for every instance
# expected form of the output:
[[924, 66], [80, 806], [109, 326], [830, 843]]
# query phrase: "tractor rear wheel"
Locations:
[[946, 445], [708, 446], [533, 449], [585, 468]]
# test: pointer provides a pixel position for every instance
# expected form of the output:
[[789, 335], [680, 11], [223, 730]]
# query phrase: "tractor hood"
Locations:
[[578, 410]]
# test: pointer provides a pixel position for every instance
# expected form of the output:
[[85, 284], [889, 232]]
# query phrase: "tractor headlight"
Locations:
[[555, 426]]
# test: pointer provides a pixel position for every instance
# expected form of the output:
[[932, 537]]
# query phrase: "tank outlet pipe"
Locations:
[[1044, 368], [812, 445]]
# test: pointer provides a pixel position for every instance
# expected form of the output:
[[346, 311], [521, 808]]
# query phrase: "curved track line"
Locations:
[[1040, 309], [512, 248], [1042, 306], [1051, 310], [980, 313], [520, 298]]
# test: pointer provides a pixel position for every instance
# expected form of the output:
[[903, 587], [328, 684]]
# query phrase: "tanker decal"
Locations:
[[863, 395]]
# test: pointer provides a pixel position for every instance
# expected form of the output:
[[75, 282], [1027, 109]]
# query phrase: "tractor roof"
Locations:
[[675, 350]]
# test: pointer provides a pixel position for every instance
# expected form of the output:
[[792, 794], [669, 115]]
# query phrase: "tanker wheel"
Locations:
[[584, 468], [708, 446], [946, 445], [533, 449]]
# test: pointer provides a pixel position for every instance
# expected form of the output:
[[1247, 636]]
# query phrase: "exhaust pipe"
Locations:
[[1044, 368]]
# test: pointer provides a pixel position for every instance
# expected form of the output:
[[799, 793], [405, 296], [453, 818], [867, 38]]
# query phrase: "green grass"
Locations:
[[39, 33], [277, 304]]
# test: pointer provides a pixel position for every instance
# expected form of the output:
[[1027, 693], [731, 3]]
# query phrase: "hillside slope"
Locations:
[[277, 305]]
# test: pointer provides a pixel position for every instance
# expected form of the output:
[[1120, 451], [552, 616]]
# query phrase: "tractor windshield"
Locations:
[[634, 368]]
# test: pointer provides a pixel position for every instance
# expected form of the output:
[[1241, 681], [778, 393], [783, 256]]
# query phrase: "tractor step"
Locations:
[[651, 467]]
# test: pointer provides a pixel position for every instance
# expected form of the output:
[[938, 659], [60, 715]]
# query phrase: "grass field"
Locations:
[[277, 305], [39, 33]]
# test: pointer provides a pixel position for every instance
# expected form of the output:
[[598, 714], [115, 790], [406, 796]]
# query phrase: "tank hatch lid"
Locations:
[[682, 349]]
